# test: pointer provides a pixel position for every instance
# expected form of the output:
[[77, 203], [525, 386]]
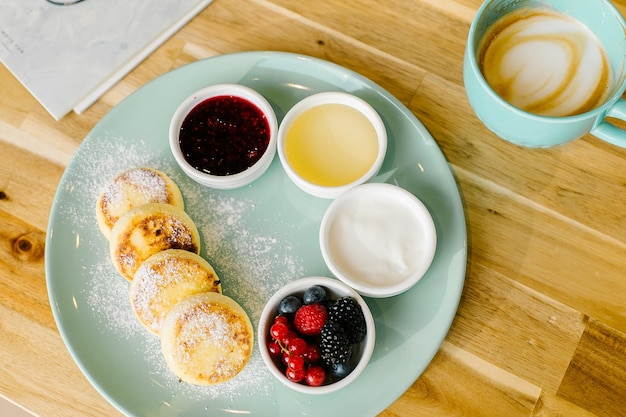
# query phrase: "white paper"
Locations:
[[68, 56]]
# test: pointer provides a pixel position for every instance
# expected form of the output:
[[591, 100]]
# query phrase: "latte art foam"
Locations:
[[545, 63]]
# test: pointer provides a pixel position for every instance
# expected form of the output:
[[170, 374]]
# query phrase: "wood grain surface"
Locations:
[[541, 327]]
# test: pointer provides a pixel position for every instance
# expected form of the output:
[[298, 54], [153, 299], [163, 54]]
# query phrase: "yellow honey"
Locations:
[[331, 145]]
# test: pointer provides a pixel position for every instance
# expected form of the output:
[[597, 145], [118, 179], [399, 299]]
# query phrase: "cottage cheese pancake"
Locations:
[[166, 278], [545, 62], [133, 188], [207, 339], [148, 229]]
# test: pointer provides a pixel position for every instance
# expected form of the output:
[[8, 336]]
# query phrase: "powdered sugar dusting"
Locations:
[[144, 182], [250, 264], [151, 289]]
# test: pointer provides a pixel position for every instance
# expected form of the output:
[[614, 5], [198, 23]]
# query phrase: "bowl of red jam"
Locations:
[[224, 136]]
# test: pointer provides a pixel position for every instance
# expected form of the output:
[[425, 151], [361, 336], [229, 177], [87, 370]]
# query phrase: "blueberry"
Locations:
[[289, 305], [314, 294], [340, 370]]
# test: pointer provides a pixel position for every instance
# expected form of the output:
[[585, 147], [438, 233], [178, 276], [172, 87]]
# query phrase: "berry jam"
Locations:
[[224, 135]]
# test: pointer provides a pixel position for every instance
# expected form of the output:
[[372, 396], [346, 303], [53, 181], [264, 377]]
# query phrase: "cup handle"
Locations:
[[607, 131]]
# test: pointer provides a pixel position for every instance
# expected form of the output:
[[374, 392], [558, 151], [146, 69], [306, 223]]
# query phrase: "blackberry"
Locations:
[[347, 312], [335, 347]]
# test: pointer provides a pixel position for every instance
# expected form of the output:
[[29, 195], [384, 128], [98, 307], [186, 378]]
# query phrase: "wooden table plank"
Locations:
[[459, 383], [596, 378], [39, 373], [516, 328]]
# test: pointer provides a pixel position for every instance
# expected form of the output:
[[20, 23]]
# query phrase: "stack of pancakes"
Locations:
[[206, 337]]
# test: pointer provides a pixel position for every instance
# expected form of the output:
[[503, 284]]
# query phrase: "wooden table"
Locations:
[[541, 327]]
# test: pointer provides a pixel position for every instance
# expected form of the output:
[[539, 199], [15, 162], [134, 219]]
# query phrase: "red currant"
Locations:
[[297, 346], [296, 362], [287, 338], [315, 376], [279, 331], [312, 353], [274, 348], [295, 375], [286, 358], [281, 319]]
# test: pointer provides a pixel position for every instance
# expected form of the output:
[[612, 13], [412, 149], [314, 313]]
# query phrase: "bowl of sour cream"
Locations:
[[378, 238]]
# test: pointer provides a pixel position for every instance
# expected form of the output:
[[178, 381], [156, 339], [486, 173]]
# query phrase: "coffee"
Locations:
[[545, 62]]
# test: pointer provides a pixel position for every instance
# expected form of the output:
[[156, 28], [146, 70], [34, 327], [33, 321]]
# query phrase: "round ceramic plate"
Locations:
[[257, 238]]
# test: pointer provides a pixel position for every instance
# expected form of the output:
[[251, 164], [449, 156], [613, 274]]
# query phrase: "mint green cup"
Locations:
[[531, 130]]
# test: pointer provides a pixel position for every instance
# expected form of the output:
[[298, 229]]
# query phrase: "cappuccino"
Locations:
[[544, 62]]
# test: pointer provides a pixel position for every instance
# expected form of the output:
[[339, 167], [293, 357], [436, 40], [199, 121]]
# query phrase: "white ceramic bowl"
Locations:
[[317, 188], [336, 289], [234, 180], [378, 238]]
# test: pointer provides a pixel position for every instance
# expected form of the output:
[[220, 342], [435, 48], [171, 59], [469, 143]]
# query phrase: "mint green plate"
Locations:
[[257, 238]]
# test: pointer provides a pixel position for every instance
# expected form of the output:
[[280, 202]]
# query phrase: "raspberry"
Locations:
[[309, 319], [347, 312]]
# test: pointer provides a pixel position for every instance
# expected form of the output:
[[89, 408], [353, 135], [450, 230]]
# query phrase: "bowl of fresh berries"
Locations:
[[316, 335]]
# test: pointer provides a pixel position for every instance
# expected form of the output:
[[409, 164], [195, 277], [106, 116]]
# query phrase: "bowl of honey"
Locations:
[[224, 136], [331, 142]]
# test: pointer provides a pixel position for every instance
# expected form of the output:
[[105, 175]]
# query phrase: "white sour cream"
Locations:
[[379, 239]]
